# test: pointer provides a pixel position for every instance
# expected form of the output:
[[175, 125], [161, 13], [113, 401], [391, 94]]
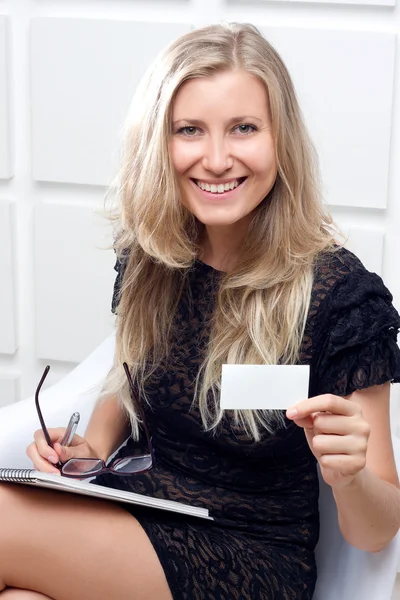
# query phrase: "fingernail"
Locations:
[[291, 412], [53, 460]]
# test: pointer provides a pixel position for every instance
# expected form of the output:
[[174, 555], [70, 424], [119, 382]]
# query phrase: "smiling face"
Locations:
[[222, 147]]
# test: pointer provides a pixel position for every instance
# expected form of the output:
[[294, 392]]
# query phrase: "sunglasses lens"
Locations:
[[82, 467], [133, 464]]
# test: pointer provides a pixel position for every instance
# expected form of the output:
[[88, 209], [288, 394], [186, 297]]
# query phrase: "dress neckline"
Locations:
[[208, 268]]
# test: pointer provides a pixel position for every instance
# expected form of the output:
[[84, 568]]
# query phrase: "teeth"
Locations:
[[217, 189]]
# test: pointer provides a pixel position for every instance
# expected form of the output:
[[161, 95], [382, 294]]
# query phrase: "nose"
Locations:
[[217, 158]]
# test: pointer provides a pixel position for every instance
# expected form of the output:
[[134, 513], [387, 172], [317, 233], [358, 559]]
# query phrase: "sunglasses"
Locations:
[[81, 468]]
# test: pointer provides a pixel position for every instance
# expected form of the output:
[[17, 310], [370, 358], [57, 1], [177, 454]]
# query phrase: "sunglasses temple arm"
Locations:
[[39, 412], [140, 410], [146, 429], [149, 443]]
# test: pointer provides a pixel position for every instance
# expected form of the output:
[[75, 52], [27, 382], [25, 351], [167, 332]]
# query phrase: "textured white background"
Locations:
[[67, 72]]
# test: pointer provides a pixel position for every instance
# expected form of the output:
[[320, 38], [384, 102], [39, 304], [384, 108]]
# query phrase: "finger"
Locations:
[[337, 424], [339, 444], [306, 423], [76, 440], [325, 403], [43, 448], [343, 463], [82, 450], [56, 434], [39, 463]]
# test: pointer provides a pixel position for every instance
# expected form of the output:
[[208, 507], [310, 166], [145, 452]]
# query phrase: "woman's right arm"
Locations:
[[107, 429]]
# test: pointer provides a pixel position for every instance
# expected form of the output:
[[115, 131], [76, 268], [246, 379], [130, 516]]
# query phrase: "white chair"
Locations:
[[344, 573]]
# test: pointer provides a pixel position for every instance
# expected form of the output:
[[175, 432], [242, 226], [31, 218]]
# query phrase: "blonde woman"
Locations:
[[225, 255]]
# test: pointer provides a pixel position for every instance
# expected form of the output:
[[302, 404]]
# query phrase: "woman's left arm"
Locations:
[[351, 439]]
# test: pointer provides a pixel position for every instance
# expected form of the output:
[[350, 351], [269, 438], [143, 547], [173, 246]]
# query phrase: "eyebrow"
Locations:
[[240, 119]]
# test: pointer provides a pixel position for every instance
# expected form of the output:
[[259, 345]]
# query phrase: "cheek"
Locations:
[[181, 156], [264, 163], [261, 158]]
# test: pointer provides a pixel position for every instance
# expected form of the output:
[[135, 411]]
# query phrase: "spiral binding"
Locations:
[[16, 475]]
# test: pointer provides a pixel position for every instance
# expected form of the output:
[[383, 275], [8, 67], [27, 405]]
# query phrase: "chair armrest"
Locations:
[[77, 391]]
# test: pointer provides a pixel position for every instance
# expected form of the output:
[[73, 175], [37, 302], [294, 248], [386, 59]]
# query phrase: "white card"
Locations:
[[263, 386]]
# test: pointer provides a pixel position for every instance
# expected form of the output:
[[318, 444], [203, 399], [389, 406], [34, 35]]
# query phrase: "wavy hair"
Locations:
[[263, 302]]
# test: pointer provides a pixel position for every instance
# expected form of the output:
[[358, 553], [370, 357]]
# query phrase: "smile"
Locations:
[[219, 188]]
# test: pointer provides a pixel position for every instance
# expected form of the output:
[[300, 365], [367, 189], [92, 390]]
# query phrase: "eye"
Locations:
[[188, 131], [246, 128]]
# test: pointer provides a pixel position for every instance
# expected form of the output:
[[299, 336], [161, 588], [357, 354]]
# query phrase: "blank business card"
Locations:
[[261, 387]]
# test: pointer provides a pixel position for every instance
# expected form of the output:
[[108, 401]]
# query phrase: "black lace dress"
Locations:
[[263, 496]]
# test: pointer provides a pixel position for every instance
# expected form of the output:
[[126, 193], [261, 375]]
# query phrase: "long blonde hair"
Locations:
[[263, 302]]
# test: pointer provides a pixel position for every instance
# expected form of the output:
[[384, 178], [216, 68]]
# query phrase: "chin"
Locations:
[[215, 220], [218, 222]]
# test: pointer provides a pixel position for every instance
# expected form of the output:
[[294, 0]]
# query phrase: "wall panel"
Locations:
[[368, 245], [336, 75], [73, 281], [9, 389], [6, 168], [81, 91], [8, 334], [352, 2]]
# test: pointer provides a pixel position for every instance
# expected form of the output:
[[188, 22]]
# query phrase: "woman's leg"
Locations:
[[70, 547], [13, 594]]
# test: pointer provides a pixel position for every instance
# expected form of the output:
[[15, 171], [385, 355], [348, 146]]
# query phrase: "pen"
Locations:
[[70, 431]]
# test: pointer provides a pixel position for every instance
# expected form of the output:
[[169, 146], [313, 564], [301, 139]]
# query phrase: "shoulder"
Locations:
[[341, 280], [354, 326], [349, 304], [335, 266]]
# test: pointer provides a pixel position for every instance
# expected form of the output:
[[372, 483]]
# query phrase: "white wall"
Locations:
[[67, 72]]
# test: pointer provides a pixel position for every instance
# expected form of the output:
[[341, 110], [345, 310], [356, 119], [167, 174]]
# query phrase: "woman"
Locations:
[[224, 256]]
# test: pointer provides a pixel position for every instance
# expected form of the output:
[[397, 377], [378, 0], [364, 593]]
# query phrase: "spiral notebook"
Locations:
[[74, 486]]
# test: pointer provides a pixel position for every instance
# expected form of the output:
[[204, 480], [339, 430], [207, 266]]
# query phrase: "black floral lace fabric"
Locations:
[[263, 496]]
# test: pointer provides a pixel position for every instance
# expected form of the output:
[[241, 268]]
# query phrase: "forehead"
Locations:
[[227, 93]]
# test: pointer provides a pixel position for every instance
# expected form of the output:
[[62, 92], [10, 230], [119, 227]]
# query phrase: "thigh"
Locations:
[[73, 547], [15, 594]]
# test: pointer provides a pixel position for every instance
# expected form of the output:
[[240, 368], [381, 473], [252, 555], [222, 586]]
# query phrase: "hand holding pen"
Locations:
[[50, 456], [68, 435]]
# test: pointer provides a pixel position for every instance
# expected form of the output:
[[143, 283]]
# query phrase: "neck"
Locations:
[[222, 245]]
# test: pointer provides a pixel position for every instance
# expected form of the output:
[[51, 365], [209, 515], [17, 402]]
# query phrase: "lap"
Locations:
[[68, 546]]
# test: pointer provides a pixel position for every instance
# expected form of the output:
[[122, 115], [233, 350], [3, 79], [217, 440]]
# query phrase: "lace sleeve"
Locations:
[[356, 337]]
